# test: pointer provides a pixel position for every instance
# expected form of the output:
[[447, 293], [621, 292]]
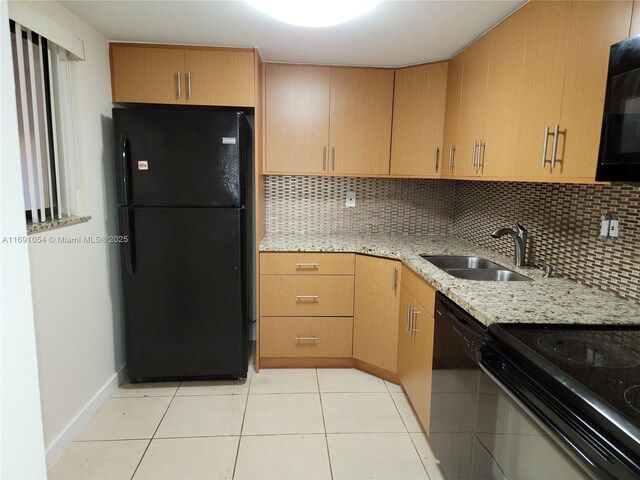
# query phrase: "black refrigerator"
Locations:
[[184, 195]]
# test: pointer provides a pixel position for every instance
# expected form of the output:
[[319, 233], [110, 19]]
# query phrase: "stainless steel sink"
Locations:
[[474, 268], [446, 262], [487, 274]]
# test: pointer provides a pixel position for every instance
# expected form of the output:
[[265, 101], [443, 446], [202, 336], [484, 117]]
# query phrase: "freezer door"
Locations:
[[183, 157], [184, 292]]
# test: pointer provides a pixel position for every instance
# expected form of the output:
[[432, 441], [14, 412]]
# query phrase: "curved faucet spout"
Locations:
[[519, 239]]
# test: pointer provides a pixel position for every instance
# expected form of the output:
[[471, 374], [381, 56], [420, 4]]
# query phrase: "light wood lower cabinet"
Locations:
[[306, 336], [302, 263], [375, 339], [415, 352]]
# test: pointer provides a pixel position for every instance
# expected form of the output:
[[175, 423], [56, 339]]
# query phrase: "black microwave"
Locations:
[[619, 155]]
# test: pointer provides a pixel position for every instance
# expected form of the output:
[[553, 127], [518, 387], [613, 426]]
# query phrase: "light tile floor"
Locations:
[[297, 424]]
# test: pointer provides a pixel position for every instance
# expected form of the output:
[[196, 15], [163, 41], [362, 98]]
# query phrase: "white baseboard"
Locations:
[[82, 419]]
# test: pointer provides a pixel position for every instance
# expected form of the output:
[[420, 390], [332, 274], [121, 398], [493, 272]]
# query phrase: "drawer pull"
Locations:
[[311, 339], [307, 297], [300, 266]]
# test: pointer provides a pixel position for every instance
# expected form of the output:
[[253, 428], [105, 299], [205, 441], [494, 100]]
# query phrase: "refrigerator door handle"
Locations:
[[128, 245], [124, 155]]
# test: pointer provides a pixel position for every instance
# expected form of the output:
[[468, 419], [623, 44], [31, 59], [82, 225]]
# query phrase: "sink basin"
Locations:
[[445, 262], [490, 274]]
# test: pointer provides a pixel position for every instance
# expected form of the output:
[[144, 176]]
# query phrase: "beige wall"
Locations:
[[76, 286]]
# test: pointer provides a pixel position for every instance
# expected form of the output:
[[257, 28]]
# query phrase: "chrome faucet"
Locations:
[[519, 239]]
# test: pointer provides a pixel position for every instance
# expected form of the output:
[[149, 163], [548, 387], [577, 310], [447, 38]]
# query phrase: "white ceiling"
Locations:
[[394, 33]]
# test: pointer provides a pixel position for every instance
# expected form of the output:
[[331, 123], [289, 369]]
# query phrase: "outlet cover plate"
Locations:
[[351, 199]]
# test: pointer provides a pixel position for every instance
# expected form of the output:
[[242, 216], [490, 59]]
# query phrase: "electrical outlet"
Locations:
[[351, 199]]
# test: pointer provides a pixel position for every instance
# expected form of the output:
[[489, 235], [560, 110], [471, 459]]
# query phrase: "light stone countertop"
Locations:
[[542, 300]]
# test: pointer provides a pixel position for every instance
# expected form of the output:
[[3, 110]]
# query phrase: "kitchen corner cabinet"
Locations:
[[167, 74], [415, 343], [328, 120], [377, 297], [418, 120]]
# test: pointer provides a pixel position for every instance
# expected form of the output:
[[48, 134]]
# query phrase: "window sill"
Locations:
[[53, 224]]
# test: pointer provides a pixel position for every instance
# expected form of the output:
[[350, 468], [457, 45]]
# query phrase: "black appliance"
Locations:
[[582, 382], [477, 430], [184, 191], [619, 156]]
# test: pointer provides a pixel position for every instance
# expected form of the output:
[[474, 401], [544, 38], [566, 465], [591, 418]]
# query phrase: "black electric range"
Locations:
[[582, 382]]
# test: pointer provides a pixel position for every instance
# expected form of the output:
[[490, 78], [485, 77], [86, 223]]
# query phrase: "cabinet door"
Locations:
[[451, 116], [635, 19], [377, 297], [504, 90], [297, 118], [147, 74], [545, 27], [595, 26], [421, 364], [405, 339], [472, 106], [360, 119], [418, 120], [222, 77]]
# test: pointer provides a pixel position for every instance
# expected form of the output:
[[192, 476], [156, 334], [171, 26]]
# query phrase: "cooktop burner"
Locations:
[[632, 396], [594, 352]]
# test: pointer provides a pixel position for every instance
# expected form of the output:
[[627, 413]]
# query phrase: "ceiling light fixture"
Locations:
[[314, 13]]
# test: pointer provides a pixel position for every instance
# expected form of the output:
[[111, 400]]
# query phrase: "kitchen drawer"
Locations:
[[306, 296], [307, 263], [424, 292], [306, 336]]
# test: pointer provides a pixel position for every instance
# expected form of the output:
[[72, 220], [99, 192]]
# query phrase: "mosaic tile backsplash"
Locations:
[[312, 205], [563, 221]]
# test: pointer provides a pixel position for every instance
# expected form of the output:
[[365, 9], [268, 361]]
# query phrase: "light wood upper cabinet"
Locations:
[[377, 297], [167, 74], [595, 26], [635, 19], [452, 116], [147, 74], [472, 107], [418, 120], [297, 118], [220, 77], [360, 120]]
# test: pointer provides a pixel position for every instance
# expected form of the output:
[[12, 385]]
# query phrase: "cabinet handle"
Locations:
[[188, 85], [436, 156], [544, 147], [179, 86], [324, 158], [481, 149], [300, 266], [307, 297], [311, 339], [473, 157], [415, 313], [394, 279], [451, 150], [554, 151], [409, 318], [333, 159]]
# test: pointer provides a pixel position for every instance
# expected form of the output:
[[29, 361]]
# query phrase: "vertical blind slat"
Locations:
[[24, 105], [54, 131], [50, 179], [36, 122]]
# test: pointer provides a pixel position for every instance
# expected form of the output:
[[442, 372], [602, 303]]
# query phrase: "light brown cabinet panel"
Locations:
[[405, 338], [452, 115], [360, 119], [219, 76], [423, 291], [418, 120], [306, 295], [302, 263], [472, 107], [595, 26], [504, 90], [306, 336], [147, 74], [635, 19], [377, 297], [297, 118]]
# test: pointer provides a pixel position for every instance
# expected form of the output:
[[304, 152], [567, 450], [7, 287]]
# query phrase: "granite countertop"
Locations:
[[542, 300]]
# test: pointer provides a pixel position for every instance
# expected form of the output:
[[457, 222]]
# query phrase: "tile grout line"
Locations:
[[324, 424], [244, 415], [155, 431]]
